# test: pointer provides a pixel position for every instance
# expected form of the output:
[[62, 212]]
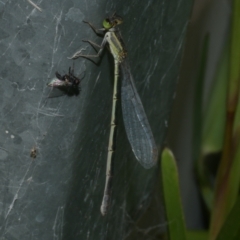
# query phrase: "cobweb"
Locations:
[[53, 150]]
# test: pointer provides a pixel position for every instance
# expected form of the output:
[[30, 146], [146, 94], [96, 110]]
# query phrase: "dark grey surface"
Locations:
[[58, 194]]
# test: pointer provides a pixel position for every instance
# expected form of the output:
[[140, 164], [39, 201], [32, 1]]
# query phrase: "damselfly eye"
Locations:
[[107, 24]]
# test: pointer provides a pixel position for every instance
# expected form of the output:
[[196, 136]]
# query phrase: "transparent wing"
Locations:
[[135, 120], [60, 88], [55, 82]]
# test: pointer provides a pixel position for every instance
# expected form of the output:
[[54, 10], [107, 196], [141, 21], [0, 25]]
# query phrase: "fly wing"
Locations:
[[135, 120], [55, 82], [60, 88]]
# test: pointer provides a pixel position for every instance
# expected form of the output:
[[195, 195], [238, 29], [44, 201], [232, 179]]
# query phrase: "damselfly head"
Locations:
[[112, 21]]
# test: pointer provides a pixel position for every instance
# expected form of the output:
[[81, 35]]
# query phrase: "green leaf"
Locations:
[[198, 136], [197, 235], [231, 227], [175, 218], [227, 183], [214, 115], [213, 127]]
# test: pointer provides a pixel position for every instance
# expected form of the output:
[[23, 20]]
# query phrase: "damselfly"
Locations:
[[136, 123]]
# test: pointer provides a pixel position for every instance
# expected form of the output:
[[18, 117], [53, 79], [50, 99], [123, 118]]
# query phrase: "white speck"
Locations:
[[6, 131], [166, 123], [12, 136], [29, 180]]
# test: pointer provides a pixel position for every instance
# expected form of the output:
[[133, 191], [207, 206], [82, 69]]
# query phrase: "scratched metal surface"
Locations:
[[57, 195]]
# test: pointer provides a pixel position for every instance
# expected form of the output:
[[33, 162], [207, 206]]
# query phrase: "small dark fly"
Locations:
[[68, 83]]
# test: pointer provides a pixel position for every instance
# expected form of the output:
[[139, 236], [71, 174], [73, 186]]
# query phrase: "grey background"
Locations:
[[58, 194]]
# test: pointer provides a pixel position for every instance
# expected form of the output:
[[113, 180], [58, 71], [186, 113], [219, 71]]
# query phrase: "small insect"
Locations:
[[137, 127], [68, 83], [33, 153]]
